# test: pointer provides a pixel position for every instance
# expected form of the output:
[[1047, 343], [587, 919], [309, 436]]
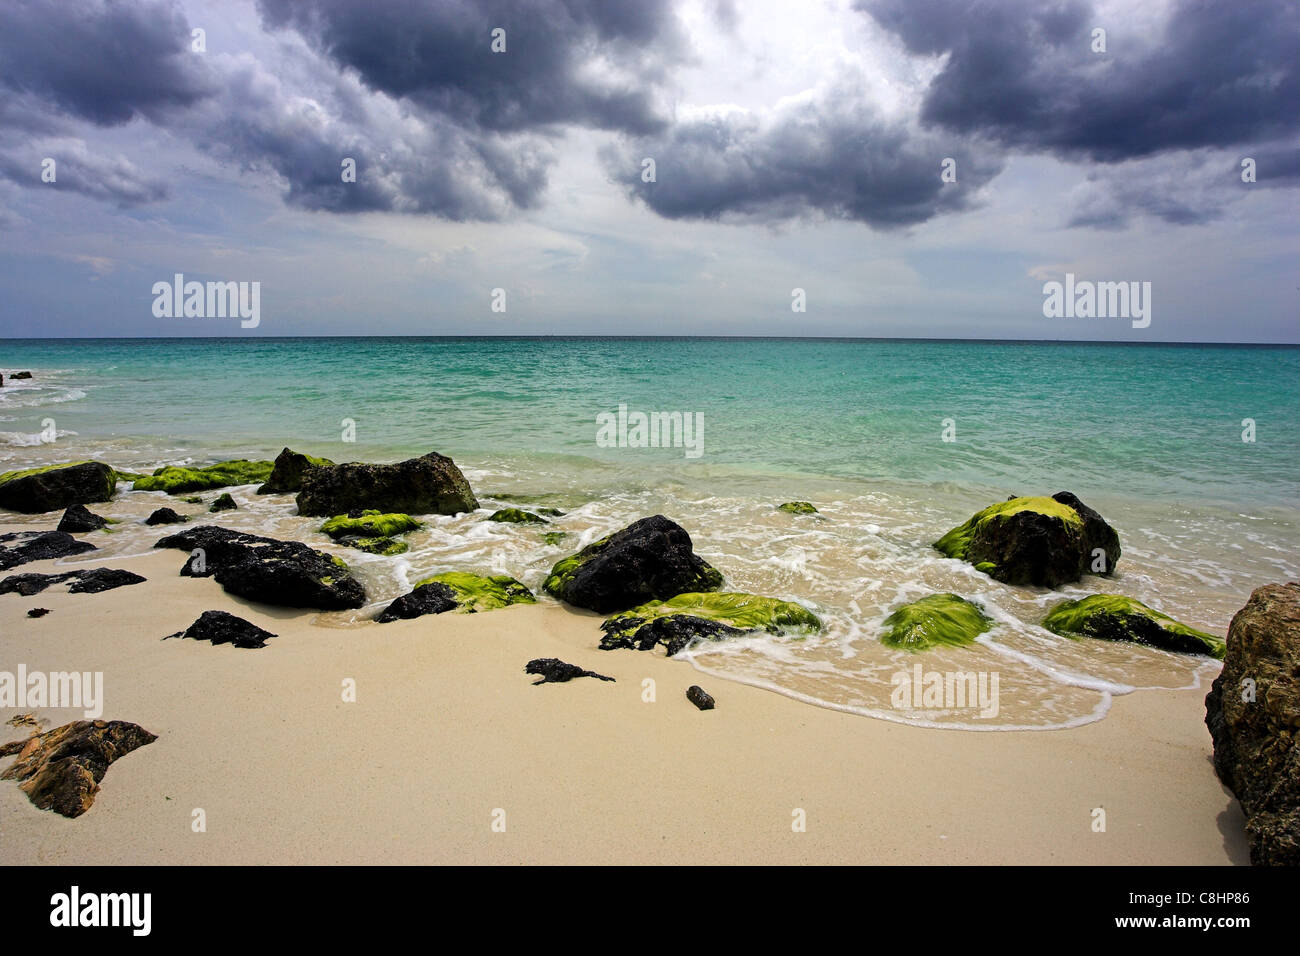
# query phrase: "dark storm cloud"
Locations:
[[584, 62], [1023, 72], [102, 62], [831, 156]]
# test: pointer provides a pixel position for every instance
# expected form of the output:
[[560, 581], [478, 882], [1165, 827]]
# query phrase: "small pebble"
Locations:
[[696, 695]]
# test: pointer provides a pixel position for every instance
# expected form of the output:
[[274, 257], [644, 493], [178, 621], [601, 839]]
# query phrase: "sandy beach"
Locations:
[[446, 730]]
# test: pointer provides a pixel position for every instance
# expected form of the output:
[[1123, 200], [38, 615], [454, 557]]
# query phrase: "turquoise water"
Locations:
[[1151, 436]]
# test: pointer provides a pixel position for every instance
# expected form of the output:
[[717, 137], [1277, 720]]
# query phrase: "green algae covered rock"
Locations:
[[1040, 541], [176, 480], [516, 516], [935, 620], [384, 547], [475, 592], [369, 524], [53, 487], [1113, 617], [288, 471], [223, 503], [798, 508], [682, 620], [554, 537]]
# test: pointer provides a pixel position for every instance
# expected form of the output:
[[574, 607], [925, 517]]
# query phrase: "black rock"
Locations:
[[650, 559], [552, 670], [17, 375], [675, 632], [432, 598], [38, 612], [22, 547], [431, 484], [1096, 532], [290, 466], [58, 487], [224, 503], [87, 581], [696, 695], [221, 627], [79, 518], [165, 516], [286, 573]]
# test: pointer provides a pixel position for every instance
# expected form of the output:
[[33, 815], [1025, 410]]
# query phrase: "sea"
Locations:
[[1192, 452]]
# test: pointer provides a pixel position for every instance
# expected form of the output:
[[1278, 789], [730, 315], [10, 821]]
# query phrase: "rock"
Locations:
[[79, 518], [86, 581], [285, 573], [433, 598], [369, 524], [516, 516], [555, 671], [15, 376], [165, 516], [798, 508], [697, 696], [1040, 541], [223, 503], [38, 612], [1113, 617], [686, 618], [554, 537], [192, 500], [384, 547], [38, 546], [477, 592], [1253, 713], [551, 512], [60, 770], [650, 559], [935, 620], [220, 627], [286, 474], [428, 485], [177, 480], [36, 490]]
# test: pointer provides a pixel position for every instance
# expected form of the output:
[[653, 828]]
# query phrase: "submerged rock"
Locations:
[[221, 627], [798, 508], [23, 547], [177, 480], [86, 581], [285, 573], [223, 503], [35, 490], [1041, 541], [686, 618], [934, 620], [516, 516], [650, 559], [428, 485], [60, 770], [286, 473], [1113, 617], [554, 537], [79, 518], [433, 598], [384, 547], [552, 670], [1253, 713], [700, 698], [165, 516]]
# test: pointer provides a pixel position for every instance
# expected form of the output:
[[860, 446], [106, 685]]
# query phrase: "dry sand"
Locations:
[[447, 729]]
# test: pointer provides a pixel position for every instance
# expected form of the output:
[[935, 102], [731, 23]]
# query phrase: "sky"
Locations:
[[502, 183]]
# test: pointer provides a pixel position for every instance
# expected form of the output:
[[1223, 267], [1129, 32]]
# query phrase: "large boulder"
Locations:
[[1114, 617], [60, 770], [285, 573], [1253, 712], [1041, 541], [35, 490], [23, 547], [428, 485], [290, 466], [651, 559]]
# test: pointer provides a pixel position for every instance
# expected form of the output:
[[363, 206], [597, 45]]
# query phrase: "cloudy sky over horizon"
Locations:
[[795, 145]]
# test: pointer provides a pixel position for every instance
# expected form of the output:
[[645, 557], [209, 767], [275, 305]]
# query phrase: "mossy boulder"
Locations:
[[798, 508], [52, 487], [685, 618], [516, 516], [286, 474], [177, 480], [1040, 541], [1113, 617], [476, 592], [431, 484], [933, 621], [223, 503], [650, 559], [369, 524], [384, 547]]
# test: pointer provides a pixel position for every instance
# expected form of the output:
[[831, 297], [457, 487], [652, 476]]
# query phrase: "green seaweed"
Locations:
[[28, 472], [385, 547], [956, 543], [1116, 617], [475, 592], [935, 620], [177, 480], [371, 524], [516, 516], [554, 537], [798, 508], [748, 612]]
